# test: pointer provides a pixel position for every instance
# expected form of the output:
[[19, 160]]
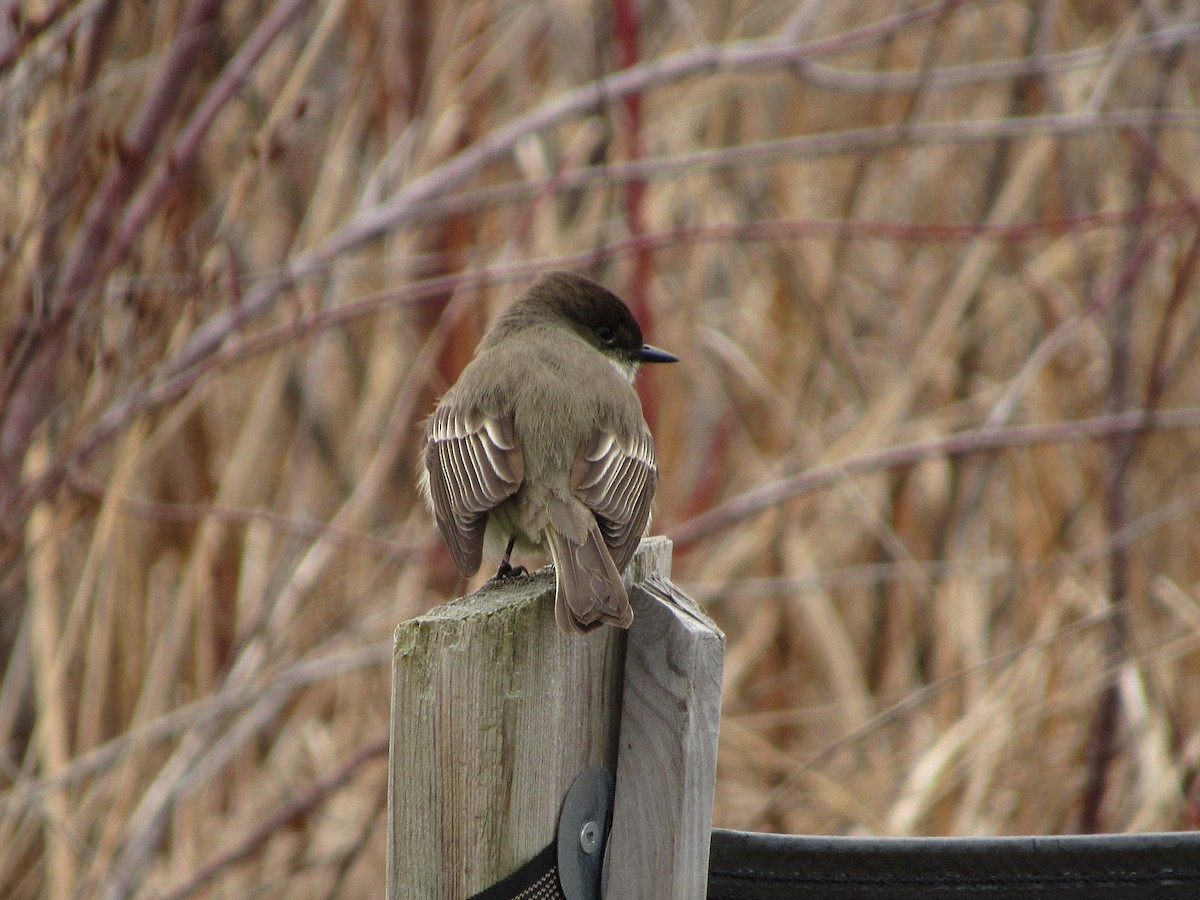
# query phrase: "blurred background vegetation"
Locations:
[[930, 457]]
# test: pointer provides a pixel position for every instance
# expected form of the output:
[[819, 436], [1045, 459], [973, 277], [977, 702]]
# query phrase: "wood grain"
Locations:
[[667, 763], [495, 711]]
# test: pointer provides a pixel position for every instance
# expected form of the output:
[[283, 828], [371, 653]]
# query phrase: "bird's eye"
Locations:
[[605, 334]]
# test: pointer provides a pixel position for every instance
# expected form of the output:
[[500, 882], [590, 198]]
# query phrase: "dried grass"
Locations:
[[900, 257]]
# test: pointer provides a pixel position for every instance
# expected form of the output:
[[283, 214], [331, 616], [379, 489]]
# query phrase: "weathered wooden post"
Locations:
[[495, 712]]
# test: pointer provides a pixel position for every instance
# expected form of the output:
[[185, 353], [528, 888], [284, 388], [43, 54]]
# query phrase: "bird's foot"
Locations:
[[507, 570]]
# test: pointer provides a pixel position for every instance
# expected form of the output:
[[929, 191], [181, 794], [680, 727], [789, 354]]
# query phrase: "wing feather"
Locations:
[[616, 481], [473, 465]]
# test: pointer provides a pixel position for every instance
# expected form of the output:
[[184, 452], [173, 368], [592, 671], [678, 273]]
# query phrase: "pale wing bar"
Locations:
[[479, 456], [617, 483]]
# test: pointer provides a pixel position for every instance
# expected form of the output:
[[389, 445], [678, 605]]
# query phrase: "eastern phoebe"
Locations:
[[541, 443]]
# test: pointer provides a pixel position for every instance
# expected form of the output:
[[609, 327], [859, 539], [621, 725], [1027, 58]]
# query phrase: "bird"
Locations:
[[541, 444]]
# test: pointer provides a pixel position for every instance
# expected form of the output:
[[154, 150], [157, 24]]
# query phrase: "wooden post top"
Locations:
[[495, 711]]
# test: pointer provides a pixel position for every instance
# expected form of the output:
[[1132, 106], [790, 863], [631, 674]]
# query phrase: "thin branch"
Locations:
[[356, 850], [369, 224], [358, 541], [300, 806], [34, 343], [987, 440], [30, 28], [1122, 447], [418, 195], [201, 755], [186, 147], [148, 395], [924, 571], [804, 147], [134, 149], [31, 391], [230, 699], [945, 77], [928, 692]]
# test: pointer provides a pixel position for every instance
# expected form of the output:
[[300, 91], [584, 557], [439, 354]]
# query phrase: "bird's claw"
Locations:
[[507, 570]]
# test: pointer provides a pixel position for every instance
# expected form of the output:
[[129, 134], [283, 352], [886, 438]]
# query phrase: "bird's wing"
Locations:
[[616, 480], [474, 464]]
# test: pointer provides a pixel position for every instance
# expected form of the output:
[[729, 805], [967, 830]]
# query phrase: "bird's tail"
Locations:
[[589, 591]]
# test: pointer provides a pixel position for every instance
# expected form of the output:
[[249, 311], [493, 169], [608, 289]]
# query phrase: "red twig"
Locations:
[[180, 375], [1103, 737], [31, 389], [29, 28], [627, 28], [1160, 369], [33, 345], [133, 150], [183, 152]]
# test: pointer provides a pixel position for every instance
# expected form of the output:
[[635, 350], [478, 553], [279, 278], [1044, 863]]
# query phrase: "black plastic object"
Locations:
[[536, 880], [1087, 867]]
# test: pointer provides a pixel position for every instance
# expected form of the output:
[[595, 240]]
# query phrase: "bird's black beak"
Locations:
[[650, 354]]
